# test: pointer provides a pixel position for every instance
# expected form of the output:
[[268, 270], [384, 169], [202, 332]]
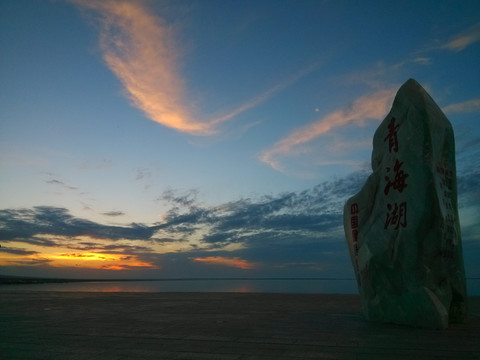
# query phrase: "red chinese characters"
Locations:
[[396, 216], [398, 182], [354, 225], [392, 136]]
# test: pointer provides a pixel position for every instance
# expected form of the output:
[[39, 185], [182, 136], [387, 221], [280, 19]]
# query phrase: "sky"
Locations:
[[170, 139]]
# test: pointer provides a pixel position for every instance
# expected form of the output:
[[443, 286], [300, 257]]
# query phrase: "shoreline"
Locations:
[[14, 280]]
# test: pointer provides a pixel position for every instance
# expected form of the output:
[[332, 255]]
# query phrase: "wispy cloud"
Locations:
[[227, 261], [373, 106], [60, 183], [186, 199], [380, 74], [96, 164], [461, 41], [466, 106], [420, 60], [142, 173], [339, 162], [261, 98], [139, 48], [114, 213], [376, 76]]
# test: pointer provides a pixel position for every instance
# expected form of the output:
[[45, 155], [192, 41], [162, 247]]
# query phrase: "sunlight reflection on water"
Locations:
[[187, 285]]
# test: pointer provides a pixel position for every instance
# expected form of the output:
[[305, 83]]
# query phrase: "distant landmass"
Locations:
[[16, 280]]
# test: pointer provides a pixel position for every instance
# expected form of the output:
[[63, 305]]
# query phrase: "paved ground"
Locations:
[[70, 325]]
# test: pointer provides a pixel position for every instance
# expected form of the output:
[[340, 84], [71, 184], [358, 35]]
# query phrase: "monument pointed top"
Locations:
[[411, 86], [411, 93], [411, 82]]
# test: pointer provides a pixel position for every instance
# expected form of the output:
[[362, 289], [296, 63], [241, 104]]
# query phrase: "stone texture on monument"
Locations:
[[402, 228]]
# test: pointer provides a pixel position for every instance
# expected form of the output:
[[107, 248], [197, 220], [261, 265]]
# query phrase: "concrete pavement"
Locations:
[[73, 325]]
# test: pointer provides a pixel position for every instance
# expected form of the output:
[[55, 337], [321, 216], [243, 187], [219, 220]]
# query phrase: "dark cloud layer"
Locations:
[[288, 231], [26, 224], [292, 216], [286, 217], [114, 213], [113, 248], [60, 183], [17, 251]]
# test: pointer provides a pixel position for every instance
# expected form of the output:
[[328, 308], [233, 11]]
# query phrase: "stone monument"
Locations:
[[402, 228]]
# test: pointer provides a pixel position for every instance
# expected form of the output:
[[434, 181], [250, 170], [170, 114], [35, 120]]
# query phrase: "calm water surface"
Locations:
[[311, 286], [300, 286]]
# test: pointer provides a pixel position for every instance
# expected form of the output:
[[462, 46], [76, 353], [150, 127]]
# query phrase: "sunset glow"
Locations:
[[81, 260], [226, 261]]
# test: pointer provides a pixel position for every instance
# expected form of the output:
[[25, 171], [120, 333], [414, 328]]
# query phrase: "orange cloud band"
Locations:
[[227, 261], [465, 39], [374, 106], [80, 260], [138, 47]]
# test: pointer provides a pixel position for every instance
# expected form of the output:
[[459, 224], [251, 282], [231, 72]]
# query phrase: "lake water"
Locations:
[[305, 286], [299, 286]]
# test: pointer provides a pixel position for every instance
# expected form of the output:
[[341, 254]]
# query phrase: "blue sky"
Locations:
[[213, 138]]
